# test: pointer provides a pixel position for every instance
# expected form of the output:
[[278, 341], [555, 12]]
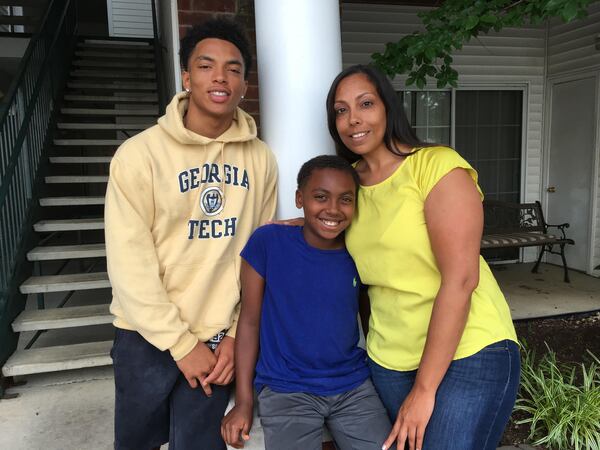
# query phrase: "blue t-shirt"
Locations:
[[308, 329]]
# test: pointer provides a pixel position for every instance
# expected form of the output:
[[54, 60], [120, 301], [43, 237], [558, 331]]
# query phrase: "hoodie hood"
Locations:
[[243, 127]]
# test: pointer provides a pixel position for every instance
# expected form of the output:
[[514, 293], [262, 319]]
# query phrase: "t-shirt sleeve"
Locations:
[[433, 163], [255, 250]]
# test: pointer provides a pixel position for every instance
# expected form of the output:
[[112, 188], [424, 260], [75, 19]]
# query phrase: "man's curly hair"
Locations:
[[218, 28]]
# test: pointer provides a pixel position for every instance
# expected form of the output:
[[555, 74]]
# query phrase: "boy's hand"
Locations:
[[235, 426], [196, 366], [224, 369]]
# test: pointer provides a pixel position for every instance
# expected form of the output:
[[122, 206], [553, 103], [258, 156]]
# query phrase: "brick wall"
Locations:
[[192, 12]]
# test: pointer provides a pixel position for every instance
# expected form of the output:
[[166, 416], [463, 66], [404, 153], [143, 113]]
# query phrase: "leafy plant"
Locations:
[[562, 410], [455, 22]]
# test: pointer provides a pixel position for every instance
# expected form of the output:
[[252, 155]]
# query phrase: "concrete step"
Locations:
[[110, 86], [112, 43], [19, 20], [30, 3], [88, 142], [46, 226], [54, 252], [116, 64], [104, 126], [53, 359], [71, 201], [57, 318], [80, 159], [62, 283], [112, 98], [113, 74], [115, 55], [110, 112], [76, 179]]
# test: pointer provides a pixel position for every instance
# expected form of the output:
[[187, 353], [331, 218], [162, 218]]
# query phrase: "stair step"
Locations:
[[112, 98], [29, 3], [62, 283], [104, 126], [71, 179], [71, 201], [98, 54], [80, 159], [88, 142], [57, 318], [121, 85], [114, 74], [110, 112], [138, 49], [53, 252], [115, 42], [53, 359], [69, 225], [115, 64], [19, 20]]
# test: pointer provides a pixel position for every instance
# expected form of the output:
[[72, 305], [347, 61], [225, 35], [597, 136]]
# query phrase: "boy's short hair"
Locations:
[[325, 162], [218, 28]]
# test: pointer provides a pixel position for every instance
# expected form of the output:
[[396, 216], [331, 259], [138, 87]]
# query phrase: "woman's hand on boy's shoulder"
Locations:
[[297, 222], [235, 426]]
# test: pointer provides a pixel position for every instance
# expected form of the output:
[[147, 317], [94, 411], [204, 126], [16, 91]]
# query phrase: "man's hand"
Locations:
[[235, 427], [224, 370], [196, 366]]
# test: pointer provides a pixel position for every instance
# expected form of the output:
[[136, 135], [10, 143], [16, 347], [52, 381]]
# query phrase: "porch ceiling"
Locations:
[[399, 2]]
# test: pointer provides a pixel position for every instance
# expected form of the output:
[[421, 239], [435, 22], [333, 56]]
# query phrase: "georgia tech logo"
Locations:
[[212, 201]]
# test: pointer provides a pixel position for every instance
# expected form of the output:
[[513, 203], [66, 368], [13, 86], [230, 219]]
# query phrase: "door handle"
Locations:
[[551, 189]]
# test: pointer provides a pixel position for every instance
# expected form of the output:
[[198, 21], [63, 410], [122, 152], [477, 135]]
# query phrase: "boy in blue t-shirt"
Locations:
[[300, 301]]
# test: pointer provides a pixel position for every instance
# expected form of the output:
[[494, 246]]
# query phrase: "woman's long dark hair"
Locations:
[[397, 128]]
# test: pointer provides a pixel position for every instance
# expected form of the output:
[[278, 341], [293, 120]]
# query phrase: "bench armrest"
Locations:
[[561, 228]]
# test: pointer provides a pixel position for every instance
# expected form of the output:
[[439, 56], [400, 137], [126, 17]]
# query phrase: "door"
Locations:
[[571, 159]]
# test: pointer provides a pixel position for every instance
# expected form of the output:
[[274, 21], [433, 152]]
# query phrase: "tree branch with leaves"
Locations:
[[447, 28]]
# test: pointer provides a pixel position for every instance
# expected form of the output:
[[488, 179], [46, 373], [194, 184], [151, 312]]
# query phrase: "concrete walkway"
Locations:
[[74, 410]]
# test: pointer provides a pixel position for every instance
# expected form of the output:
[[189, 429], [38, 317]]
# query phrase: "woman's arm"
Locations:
[[454, 217], [235, 427]]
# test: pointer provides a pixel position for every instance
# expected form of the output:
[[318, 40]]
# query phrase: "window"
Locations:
[[486, 129], [429, 114]]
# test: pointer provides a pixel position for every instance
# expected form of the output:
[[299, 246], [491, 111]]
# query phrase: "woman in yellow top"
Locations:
[[441, 343]]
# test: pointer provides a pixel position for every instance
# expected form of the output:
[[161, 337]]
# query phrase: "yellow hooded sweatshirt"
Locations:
[[179, 209]]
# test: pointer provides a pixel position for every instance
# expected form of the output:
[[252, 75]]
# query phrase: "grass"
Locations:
[[561, 408]]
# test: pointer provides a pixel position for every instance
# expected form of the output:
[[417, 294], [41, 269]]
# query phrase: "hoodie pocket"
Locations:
[[206, 294]]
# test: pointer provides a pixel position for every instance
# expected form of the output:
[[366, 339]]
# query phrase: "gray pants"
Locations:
[[356, 419]]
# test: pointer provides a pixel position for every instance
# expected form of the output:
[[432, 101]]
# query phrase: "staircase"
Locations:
[[111, 94], [21, 16]]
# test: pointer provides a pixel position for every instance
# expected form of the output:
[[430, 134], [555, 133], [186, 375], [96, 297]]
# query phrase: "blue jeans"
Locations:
[[472, 404]]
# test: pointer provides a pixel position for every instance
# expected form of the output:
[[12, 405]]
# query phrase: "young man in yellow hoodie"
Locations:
[[182, 200]]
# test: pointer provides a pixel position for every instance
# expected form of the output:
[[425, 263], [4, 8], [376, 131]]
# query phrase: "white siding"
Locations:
[[571, 46], [513, 57], [130, 18], [572, 49]]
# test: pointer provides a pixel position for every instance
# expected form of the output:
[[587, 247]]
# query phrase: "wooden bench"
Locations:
[[523, 225]]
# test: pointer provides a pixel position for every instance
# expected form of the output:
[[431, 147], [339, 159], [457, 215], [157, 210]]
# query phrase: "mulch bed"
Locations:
[[569, 337]]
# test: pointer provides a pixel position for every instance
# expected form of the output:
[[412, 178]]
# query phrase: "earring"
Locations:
[[242, 97], [187, 90]]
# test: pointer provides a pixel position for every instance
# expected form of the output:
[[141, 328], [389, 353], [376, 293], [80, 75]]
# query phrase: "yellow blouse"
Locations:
[[389, 242]]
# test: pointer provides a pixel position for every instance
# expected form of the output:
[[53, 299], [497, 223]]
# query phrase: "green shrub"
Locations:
[[563, 410]]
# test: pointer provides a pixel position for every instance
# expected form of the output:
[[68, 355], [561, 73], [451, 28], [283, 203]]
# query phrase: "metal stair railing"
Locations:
[[26, 118]]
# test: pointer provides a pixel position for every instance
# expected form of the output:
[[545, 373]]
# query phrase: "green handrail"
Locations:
[[26, 114]]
